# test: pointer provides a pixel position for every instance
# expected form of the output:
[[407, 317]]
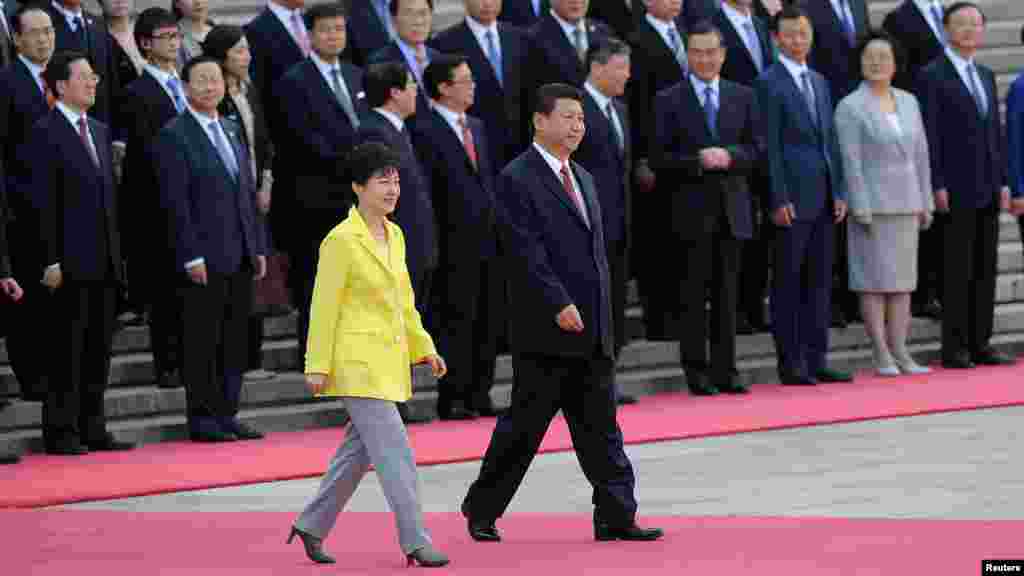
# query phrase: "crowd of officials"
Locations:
[[164, 167]]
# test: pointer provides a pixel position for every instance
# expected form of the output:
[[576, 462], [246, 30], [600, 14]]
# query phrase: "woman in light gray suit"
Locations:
[[885, 160]]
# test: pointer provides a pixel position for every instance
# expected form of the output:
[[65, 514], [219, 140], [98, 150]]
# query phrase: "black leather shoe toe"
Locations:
[[606, 533]]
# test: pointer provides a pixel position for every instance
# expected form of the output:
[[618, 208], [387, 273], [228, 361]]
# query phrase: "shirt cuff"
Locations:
[[194, 263], [55, 266]]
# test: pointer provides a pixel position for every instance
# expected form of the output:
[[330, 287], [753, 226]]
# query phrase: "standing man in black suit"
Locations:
[[605, 153], [523, 13], [562, 342], [838, 24], [411, 20], [621, 16], [559, 42], [23, 101], [79, 255], [7, 51], [208, 193], [468, 292], [78, 31], [658, 62], [960, 105], [277, 41], [706, 146], [320, 100], [917, 26], [370, 29], [149, 103], [496, 53], [749, 51], [9, 287], [392, 95]]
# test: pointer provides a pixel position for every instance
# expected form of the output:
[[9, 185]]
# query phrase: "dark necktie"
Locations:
[[613, 118], [808, 92], [80, 33], [711, 111], [222, 149], [468, 142], [494, 56], [83, 133], [577, 200]]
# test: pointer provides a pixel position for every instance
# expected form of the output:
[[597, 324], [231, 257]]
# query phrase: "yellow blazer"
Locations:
[[364, 330]]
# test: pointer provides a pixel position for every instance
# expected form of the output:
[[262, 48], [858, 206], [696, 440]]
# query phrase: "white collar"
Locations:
[[925, 6], [450, 116], [203, 119], [959, 62], [601, 100], [552, 161], [285, 14], [33, 68], [661, 26], [479, 29], [796, 70], [569, 27], [397, 122], [325, 68], [699, 86], [72, 116], [162, 76], [736, 17], [69, 15]]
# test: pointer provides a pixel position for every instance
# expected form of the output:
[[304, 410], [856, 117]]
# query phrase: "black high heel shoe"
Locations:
[[313, 546], [426, 557]]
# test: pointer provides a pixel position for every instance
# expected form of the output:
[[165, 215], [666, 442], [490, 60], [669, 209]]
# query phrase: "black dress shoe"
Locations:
[[989, 357], [109, 444], [213, 436], [732, 387], [624, 399], [479, 530], [959, 361], [457, 413], [838, 318], [169, 380], [830, 375], [244, 432], [605, 533], [68, 448], [408, 417], [313, 546], [9, 458], [790, 379], [698, 384], [743, 326], [4, 403], [490, 411]]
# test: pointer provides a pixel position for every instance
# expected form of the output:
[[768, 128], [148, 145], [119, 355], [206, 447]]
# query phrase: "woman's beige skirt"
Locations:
[[883, 255]]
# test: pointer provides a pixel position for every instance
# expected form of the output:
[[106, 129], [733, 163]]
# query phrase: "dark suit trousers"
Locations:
[[801, 294], [466, 298], [930, 260], [215, 318], [302, 261], [756, 263], [617, 274], [712, 265], [31, 318], [165, 325], [84, 321], [582, 389], [971, 239]]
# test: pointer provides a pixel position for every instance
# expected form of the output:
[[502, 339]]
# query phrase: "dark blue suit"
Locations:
[[805, 171], [75, 207], [367, 33], [415, 211], [556, 260], [833, 54], [967, 158], [392, 53], [518, 13], [553, 59], [22, 104], [468, 295], [211, 216], [499, 104], [310, 200], [97, 43], [274, 52]]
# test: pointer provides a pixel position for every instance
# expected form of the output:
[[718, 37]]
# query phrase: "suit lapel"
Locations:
[[366, 240], [965, 92], [736, 39], [587, 195], [554, 185], [37, 95], [200, 137], [695, 104], [824, 108]]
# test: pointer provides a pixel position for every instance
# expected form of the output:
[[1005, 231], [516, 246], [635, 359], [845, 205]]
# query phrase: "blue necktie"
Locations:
[[977, 90], [222, 149], [754, 43], [494, 57], [808, 91], [847, 23], [711, 111], [175, 86]]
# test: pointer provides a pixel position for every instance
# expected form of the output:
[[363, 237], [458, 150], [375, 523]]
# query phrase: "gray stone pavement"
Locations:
[[947, 466]]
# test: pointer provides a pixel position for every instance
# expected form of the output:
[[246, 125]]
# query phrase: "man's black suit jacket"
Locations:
[[22, 104], [392, 53], [554, 259], [699, 196], [654, 68], [273, 53], [611, 168], [315, 139], [366, 32], [553, 58], [415, 211], [98, 45], [739, 65], [832, 54], [518, 13], [499, 104], [920, 46], [73, 200], [463, 195]]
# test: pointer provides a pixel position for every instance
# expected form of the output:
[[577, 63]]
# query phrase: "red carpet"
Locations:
[[169, 467], [252, 543]]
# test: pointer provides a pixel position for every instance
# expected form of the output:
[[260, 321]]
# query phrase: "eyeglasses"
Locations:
[[167, 36], [464, 81], [88, 78]]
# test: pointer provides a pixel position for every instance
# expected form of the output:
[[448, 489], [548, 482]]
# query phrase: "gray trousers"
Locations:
[[375, 436]]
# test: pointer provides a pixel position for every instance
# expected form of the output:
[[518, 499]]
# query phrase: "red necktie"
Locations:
[[467, 141], [83, 133], [50, 100], [571, 191]]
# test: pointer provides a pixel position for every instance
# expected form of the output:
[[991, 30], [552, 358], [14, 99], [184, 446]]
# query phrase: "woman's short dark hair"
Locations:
[[370, 159], [882, 36], [548, 96], [381, 78], [220, 40]]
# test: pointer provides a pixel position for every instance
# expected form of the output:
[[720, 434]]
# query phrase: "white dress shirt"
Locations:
[[662, 28], [739, 22], [796, 70], [925, 7], [285, 16], [452, 118], [36, 72], [569, 29], [162, 77], [701, 87], [961, 64], [397, 122], [71, 16], [844, 13], [479, 31], [556, 167]]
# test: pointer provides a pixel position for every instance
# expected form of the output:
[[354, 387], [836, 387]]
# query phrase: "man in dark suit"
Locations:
[[562, 341], [320, 100], [277, 40], [496, 53], [960, 105], [806, 200], [917, 26], [411, 20], [605, 153], [78, 255], [749, 51], [7, 11], [208, 193], [559, 41], [370, 29], [392, 95], [837, 25], [658, 61], [23, 101], [76, 30], [10, 290], [468, 292], [706, 146], [523, 13], [149, 103]]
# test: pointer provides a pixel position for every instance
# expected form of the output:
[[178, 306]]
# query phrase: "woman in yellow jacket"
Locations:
[[364, 334]]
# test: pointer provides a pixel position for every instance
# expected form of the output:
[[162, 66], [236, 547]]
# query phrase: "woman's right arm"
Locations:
[[850, 146], [326, 308]]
